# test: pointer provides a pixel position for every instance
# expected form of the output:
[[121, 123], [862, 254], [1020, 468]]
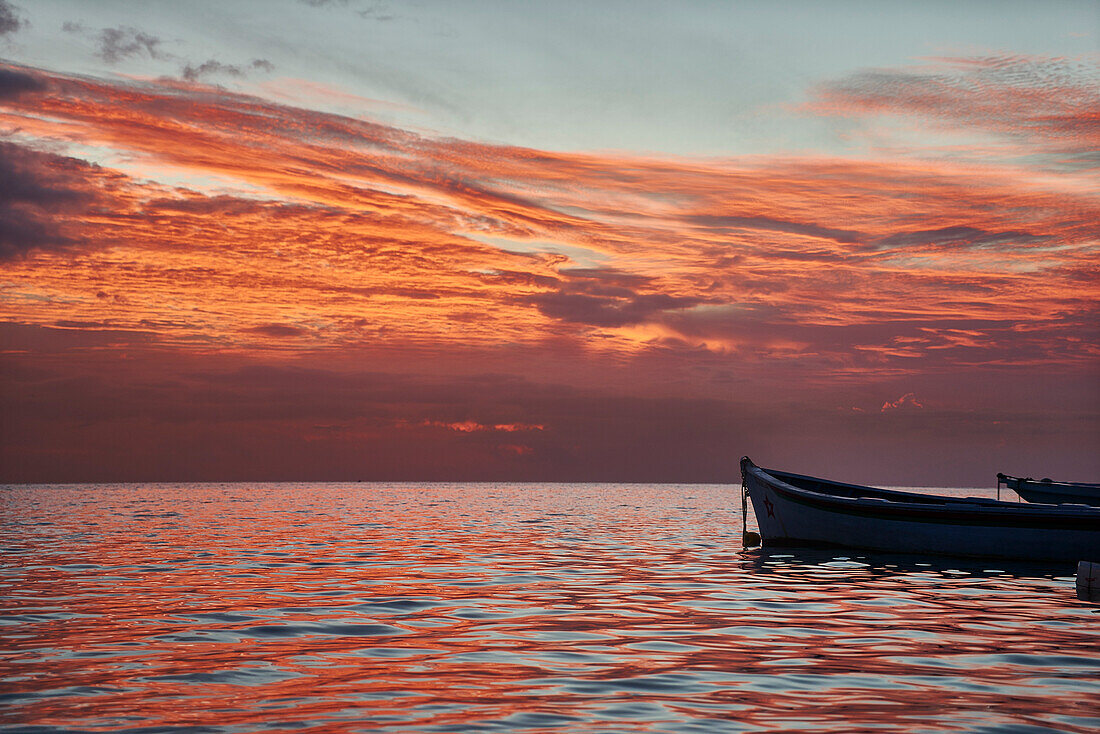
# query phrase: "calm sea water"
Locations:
[[501, 607]]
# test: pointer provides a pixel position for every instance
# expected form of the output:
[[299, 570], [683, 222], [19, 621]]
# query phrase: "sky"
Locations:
[[300, 240]]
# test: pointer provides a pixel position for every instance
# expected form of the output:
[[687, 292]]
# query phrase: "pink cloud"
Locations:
[[1048, 103]]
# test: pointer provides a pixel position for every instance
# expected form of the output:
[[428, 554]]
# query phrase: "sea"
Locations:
[[433, 607]]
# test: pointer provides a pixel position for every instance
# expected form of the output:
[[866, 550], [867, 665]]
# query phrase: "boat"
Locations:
[[1049, 492], [794, 509]]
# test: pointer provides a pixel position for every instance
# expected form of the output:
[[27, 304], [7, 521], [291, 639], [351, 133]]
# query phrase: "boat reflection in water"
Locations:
[[498, 607], [794, 509]]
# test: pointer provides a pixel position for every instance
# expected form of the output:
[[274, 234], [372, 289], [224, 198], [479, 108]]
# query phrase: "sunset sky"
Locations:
[[606, 241]]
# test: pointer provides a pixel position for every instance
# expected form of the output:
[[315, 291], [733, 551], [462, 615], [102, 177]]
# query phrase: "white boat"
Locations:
[[793, 509]]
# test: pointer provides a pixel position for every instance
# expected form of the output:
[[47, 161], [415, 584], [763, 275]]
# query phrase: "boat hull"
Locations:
[[897, 522], [1048, 492]]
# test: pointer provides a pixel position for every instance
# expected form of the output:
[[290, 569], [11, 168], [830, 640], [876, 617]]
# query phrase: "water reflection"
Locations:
[[498, 607]]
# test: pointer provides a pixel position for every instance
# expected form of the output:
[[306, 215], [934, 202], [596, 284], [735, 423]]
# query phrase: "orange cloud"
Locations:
[[906, 399], [188, 222], [473, 426], [345, 231]]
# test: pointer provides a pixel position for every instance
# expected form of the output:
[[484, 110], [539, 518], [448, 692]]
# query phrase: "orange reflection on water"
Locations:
[[544, 607]]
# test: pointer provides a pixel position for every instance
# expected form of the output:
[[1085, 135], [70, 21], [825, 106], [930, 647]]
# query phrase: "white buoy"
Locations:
[[1088, 580]]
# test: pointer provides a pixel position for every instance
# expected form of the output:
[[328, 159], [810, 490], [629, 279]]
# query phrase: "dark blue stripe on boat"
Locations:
[[927, 508]]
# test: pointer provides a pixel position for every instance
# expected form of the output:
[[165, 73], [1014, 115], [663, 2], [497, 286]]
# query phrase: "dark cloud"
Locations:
[[602, 311], [212, 67], [969, 237], [39, 192], [192, 73], [69, 337], [9, 21], [814, 256], [14, 83], [776, 225], [277, 330], [606, 298], [377, 11], [939, 343], [116, 44], [599, 279], [516, 277], [223, 206]]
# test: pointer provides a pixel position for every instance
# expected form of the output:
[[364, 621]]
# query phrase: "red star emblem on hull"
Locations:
[[769, 507]]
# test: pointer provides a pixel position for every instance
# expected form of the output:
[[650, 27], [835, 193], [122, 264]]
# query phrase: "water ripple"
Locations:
[[496, 607]]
